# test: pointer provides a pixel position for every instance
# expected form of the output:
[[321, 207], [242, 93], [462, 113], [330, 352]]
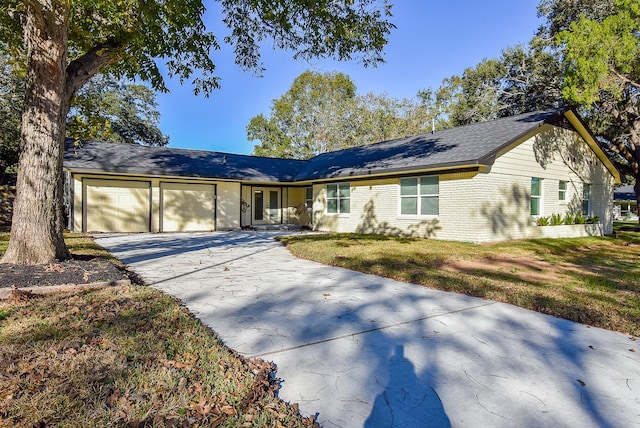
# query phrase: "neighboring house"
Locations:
[[624, 201], [481, 182]]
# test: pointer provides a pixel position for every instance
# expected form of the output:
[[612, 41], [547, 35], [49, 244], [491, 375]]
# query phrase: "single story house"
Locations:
[[481, 182], [624, 201]]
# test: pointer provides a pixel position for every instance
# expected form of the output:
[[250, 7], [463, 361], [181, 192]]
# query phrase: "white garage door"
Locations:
[[188, 207], [117, 206]]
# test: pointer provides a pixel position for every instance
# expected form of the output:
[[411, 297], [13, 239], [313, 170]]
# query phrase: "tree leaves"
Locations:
[[321, 112], [150, 36], [602, 55], [11, 95], [110, 110], [339, 29], [602, 74]]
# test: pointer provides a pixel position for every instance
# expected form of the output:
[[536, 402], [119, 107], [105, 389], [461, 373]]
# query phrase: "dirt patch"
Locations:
[[76, 271], [527, 269]]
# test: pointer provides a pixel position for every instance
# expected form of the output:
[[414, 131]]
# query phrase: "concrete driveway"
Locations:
[[359, 350]]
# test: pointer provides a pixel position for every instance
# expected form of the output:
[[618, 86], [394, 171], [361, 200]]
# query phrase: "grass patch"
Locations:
[[79, 244], [591, 280], [126, 356]]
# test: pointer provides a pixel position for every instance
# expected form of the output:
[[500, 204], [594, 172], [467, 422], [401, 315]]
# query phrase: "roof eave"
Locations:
[[448, 167], [146, 175], [535, 128], [581, 128]]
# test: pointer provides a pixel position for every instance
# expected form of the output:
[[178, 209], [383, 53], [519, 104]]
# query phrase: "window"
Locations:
[[536, 195], [420, 195], [308, 198], [258, 205], [586, 199], [338, 198], [562, 191]]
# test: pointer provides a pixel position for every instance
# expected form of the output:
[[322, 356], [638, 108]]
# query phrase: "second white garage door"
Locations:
[[188, 207]]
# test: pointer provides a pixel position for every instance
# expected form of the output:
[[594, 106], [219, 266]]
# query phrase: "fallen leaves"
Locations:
[[54, 267], [188, 361], [130, 356], [203, 406]]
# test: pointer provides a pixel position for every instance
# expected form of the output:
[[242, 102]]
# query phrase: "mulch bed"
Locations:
[[79, 270]]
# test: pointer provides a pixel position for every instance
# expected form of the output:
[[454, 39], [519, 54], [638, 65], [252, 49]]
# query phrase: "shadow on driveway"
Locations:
[[361, 350]]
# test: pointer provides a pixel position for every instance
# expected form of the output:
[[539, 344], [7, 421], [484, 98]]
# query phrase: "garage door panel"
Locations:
[[188, 207], [117, 206]]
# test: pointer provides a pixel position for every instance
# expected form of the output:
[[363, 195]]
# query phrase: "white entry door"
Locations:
[[266, 205]]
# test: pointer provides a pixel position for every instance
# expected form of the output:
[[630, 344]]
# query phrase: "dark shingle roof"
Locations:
[[472, 144], [135, 159], [624, 193]]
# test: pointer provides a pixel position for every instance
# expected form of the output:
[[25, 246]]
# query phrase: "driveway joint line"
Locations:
[[371, 330]]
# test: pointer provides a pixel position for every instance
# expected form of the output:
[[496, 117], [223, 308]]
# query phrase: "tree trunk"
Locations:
[[37, 226]]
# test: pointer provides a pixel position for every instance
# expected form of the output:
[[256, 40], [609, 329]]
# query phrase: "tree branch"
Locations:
[[81, 69], [624, 78]]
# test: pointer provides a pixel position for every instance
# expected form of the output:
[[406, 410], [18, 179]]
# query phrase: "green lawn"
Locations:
[[125, 356], [593, 280]]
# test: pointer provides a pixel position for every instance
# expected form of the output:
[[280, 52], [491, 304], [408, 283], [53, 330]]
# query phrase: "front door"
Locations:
[[266, 206]]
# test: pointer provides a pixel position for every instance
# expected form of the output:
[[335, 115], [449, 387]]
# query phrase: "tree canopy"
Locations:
[[602, 75], [521, 79], [116, 111], [305, 120], [104, 109], [66, 43], [322, 112]]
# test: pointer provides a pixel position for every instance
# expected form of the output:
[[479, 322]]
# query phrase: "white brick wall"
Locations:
[[227, 206], [488, 206]]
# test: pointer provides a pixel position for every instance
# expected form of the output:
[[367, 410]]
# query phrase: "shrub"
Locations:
[[580, 219], [542, 221], [593, 220], [556, 220], [569, 218]]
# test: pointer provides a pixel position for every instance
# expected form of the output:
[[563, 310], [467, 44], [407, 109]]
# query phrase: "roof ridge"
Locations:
[[182, 149], [425, 134]]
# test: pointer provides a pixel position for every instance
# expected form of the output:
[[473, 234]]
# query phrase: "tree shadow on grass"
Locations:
[[335, 336]]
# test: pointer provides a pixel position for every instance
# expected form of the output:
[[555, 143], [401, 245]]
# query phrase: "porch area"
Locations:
[[276, 207]]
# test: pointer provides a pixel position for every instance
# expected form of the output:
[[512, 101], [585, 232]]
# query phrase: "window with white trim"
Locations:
[[586, 200], [420, 196], [339, 198], [562, 191], [536, 196]]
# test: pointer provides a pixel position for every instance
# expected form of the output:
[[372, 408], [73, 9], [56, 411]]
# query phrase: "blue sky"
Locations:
[[433, 40]]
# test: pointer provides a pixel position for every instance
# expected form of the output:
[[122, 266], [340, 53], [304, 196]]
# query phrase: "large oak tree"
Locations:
[[117, 111], [66, 42]]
